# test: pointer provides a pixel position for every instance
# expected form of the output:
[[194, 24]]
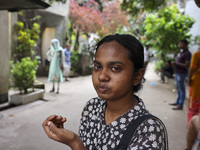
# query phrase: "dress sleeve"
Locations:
[[49, 54], [194, 62], [149, 136], [84, 121]]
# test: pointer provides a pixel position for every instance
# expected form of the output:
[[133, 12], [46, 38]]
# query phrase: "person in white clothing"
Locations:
[[147, 55], [67, 64]]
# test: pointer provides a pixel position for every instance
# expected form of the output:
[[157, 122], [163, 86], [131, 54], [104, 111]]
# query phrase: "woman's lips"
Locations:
[[102, 88]]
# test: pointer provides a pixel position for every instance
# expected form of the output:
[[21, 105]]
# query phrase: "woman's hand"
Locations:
[[190, 74], [62, 68], [54, 128]]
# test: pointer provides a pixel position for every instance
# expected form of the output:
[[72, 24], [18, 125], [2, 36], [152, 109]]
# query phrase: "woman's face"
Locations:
[[113, 72]]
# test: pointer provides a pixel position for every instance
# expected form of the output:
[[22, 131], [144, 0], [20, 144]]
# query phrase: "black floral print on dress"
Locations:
[[96, 135]]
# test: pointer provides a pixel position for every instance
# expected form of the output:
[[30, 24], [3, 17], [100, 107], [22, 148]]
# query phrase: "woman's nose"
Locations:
[[104, 75]]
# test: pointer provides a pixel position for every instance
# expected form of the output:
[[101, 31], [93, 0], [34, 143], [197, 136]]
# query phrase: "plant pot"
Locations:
[[19, 99]]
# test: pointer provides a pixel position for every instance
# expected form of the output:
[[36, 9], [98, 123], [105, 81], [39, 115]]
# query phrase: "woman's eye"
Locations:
[[97, 67], [115, 68]]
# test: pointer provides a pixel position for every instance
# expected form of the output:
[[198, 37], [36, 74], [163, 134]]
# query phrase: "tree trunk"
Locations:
[[77, 40], [163, 57], [25, 90]]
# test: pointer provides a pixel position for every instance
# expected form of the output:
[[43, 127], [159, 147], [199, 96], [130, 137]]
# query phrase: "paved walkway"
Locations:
[[20, 126]]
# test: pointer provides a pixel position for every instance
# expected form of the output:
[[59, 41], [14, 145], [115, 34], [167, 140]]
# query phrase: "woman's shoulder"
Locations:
[[154, 127], [197, 53], [152, 132], [151, 124], [94, 103], [95, 100], [154, 122]]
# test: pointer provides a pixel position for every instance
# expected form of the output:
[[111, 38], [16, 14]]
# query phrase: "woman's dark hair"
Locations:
[[135, 48]]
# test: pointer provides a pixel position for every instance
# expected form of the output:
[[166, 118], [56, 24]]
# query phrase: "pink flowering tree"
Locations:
[[86, 17]]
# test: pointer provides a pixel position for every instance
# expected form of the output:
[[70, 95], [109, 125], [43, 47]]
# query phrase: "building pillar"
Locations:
[[7, 21], [4, 56]]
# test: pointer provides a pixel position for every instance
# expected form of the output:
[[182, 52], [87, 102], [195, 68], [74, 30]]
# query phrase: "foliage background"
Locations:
[[164, 30]]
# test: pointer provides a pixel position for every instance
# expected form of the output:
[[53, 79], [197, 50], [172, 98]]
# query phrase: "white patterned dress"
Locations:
[[96, 135]]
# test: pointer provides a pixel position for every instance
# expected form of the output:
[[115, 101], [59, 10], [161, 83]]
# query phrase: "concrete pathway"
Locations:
[[20, 126]]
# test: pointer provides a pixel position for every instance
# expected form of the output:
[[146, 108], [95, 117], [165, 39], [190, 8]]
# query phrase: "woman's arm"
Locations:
[[193, 67], [183, 65], [61, 60], [191, 72]]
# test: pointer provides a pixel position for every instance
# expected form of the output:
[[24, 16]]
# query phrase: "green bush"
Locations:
[[26, 39], [74, 60], [23, 74]]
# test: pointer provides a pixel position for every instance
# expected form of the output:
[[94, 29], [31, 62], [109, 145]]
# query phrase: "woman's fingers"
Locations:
[[45, 124], [50, 118], [59, 121], [53, 125], [53, 131]]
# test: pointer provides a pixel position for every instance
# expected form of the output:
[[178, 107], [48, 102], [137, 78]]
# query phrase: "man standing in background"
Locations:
[[181, 68]]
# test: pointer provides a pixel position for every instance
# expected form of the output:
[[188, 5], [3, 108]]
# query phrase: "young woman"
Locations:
[[194, 82], [56, 65], [117, 75]]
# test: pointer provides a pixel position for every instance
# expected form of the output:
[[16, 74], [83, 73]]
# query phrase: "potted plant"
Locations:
[[23, 74], [24, 66], [23, 77]]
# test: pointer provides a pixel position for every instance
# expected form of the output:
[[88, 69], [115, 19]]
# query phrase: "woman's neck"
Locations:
[[115, 109]]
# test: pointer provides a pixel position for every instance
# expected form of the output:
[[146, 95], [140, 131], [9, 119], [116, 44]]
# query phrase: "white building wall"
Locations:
[[193, 11], [59, 8]]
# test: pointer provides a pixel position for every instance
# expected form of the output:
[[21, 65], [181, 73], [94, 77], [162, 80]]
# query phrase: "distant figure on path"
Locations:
[[56, 64], [167, 71], [67, 64], [147, 55]]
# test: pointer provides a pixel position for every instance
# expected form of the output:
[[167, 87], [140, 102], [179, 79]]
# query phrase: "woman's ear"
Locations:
[[138, 76]]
